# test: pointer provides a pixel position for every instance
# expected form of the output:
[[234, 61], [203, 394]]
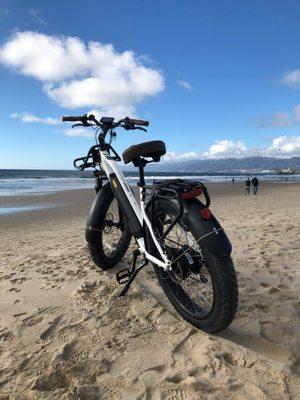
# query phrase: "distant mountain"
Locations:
[[253, 164]]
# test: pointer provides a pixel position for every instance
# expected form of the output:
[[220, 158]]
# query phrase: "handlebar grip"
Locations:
[[139, 122], [72, 119]]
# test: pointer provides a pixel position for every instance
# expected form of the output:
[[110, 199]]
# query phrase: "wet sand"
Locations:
[[65, 335]]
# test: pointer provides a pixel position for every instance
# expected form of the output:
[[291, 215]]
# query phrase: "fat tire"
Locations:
[[223, 275], [96, 246]]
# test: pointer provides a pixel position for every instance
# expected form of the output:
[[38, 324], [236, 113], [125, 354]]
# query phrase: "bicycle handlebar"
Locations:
[[107, 125], [72, 119], [83, 119], [129, 123], [140, 122]]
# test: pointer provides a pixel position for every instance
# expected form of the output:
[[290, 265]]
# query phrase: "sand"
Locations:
[[65, 335]]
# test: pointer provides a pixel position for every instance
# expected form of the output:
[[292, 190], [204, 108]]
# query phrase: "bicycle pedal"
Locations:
[[123, 276]]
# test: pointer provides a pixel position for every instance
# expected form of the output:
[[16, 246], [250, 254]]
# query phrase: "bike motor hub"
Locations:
[[186, 261]]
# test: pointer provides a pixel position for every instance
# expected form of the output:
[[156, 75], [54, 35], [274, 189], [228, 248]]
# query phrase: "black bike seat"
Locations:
[[154, 149]]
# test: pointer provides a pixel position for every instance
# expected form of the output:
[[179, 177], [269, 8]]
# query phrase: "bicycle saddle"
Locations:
[[154, 149]]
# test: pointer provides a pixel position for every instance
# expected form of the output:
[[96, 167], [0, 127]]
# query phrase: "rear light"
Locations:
[[206, 213], [191, 194]]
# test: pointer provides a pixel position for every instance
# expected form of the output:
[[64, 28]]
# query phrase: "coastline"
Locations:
[[64, 334]]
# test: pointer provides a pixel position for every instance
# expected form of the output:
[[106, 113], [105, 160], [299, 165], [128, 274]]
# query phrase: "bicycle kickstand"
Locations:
[[127, 276]]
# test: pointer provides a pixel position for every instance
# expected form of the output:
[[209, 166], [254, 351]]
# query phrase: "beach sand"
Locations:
[[65, 335]]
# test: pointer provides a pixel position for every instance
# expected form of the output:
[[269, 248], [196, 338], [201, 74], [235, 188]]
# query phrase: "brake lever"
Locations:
[[74, 126], [140, 128]]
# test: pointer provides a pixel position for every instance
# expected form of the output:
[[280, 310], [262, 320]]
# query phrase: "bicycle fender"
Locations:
[[209, 231], [93, 220]]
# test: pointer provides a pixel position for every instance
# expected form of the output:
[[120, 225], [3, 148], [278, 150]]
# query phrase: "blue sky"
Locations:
[[216, 79]]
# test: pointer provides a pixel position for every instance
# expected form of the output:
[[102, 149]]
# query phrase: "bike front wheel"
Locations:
[[201, 287], [112, 235]]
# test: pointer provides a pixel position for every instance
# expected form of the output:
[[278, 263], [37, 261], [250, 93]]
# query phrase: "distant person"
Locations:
[[255, 184], [248, 184], [232, 180]]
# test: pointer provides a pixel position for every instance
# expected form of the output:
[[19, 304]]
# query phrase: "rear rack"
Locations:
[[174, 188], [177, 189]]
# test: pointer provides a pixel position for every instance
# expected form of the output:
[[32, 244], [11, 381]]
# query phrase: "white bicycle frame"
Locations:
[[110, 166]]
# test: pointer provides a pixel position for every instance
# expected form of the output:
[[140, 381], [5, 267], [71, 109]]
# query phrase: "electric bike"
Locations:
[[172, 227]]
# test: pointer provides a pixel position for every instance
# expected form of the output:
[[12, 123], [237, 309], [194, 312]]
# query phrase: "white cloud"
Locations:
[[284, 146], [292, 78], [225, 148], [279, 119], [28, 117], [185, 85], [78, 75]]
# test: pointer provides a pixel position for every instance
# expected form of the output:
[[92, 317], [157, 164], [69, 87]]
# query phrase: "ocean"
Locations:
[[26, 182]]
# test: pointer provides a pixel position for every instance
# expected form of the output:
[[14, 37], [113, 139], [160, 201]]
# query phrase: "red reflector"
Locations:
[[190, 195], [206, 213]]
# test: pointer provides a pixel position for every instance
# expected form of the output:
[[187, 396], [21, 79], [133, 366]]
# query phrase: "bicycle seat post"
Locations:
[[141, 182], [141, 163]]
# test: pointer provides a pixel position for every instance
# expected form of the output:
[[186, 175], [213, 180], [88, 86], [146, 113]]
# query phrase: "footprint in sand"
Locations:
[[52, 326], [71, 330], [276, 332], [54, 378]]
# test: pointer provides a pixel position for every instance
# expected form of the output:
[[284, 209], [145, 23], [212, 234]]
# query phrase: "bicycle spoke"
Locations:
[[188, 288], [202, 283]]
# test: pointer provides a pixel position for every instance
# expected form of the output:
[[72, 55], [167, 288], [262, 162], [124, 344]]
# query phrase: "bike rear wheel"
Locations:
[[201, 287]]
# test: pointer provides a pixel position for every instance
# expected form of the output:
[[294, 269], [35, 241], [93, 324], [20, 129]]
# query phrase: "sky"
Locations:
[[215, 79]]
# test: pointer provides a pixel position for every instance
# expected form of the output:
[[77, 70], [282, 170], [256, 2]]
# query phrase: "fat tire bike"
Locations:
[[171, 223]]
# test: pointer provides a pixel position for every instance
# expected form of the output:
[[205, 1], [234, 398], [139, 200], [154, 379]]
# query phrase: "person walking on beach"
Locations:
[[248, 184], [232, 180], [255, 184]]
